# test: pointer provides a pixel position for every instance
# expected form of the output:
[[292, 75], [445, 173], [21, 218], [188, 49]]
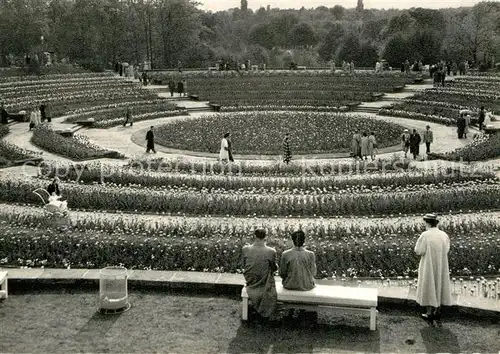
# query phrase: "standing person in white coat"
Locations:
[[433, 288], [224, 149]]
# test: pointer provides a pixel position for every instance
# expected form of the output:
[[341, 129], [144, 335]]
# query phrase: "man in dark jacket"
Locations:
[[415, 140], [4, 114], [150, 138], [53, 188], [482, 117], [461, 124]]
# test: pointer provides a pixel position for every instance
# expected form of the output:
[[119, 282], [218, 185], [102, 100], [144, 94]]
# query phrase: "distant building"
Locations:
[[360, 6]]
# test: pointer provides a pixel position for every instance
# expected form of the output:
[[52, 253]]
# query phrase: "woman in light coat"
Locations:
[[433, 287], [467, 124], [224, 149], [405, 141], [372, 145]]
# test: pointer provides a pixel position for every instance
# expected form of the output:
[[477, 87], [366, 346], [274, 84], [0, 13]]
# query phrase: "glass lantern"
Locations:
[[113, 294]]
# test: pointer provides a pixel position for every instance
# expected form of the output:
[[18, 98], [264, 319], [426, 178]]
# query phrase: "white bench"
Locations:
[[364, 300], [4, 289]]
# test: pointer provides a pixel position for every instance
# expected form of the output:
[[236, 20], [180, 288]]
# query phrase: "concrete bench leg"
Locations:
[[4, 289], [373, 319], [244, 314]]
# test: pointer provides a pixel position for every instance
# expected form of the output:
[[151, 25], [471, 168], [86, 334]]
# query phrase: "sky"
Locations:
[[217, 5]]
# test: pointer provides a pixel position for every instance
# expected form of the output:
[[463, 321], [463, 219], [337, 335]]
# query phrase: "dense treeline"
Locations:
[[96, 33]]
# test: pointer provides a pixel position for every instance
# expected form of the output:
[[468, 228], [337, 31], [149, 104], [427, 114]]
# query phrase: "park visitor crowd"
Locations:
[[297, 269]]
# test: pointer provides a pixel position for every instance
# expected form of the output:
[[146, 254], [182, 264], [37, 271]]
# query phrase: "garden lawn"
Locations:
[[263, 132], [65, 321]]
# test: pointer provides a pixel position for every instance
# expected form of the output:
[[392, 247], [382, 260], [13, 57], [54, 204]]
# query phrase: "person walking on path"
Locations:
[[356, 145], [144, 77], [461, 123], [259, 265], [415, 140], [42, 112], [150, 138], [226, 153], [372, 145], [33, 119], [364, 147], [405, 142], [428, 139], [180, 88], [467, 124], [481, 116], [171, 87], [287, 151], [184, 87], [433, 285], [128, 118]]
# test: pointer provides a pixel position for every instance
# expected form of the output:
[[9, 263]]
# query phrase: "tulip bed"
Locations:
[[274, 168], [68, 92], [360, 183], [353, 200], [263, 132], [28, 239], [445, 103], [76, 148], [482, 147], [278, 89]]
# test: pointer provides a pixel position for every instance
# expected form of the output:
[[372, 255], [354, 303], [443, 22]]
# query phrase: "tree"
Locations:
[[338, 12], [426, 46], [360, 7], [244, 6], [302, 35], [397, 51], [262, 35], [331, 42], [350, 48]]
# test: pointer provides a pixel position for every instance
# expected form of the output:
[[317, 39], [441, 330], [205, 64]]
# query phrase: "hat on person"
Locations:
[[406, 130], [430, 216], [427, 126]]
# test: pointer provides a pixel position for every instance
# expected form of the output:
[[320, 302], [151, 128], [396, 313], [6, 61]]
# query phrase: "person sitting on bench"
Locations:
[[298, 268], [259, 263]]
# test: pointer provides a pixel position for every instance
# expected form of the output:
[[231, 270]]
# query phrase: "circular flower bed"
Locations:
[[262, 132]]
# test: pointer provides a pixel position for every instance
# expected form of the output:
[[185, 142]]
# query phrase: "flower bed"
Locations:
[[104, 173], [284, 88], [113, 115], [416, 116], [482, 147], [356, 251], [67, 92], [262, 133], [275, 168], [76, 148], [468, 196]]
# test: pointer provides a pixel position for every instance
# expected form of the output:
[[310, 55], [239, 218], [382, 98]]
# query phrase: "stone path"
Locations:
[[395, 292]]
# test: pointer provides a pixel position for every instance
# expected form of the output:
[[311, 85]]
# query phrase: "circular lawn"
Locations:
[[262, 133]]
